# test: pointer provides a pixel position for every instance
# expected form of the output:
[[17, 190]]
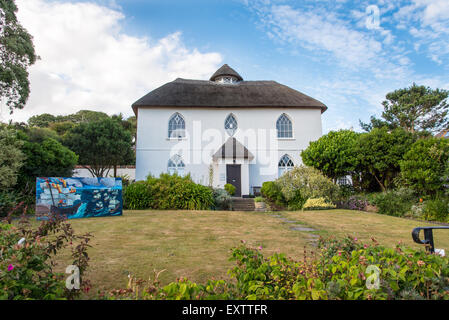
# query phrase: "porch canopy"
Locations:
[[233, 149]]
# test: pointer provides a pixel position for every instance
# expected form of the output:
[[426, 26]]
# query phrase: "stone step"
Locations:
[[243, 204]]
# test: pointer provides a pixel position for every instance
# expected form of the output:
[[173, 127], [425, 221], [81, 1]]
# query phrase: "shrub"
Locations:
[[272, 192], [297, 201], [230, 189], [318, 204], [310, 183], [424, 165], [436, 210], [222, 199], [29, 254], [339, 270], [137, 196], [355, 202], [168, 192], [258, 199], [394, 203]]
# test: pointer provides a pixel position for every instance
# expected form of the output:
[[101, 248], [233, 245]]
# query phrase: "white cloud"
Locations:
[[342, 39], [88, 61], [428, 22]]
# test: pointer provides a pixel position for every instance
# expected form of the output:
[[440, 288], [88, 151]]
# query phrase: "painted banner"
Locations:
[[79, 197]]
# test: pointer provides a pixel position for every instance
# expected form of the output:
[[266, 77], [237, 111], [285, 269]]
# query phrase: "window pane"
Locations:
[[176, 126], [284, 127], [231, 125]]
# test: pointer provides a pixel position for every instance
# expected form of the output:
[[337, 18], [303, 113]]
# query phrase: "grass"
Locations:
[[195, 244], [192, 244], [387, 230]]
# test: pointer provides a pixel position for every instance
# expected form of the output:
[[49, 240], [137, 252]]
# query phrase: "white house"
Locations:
[[225, 130]]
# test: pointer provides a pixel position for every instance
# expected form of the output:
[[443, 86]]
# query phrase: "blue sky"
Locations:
[[103, 55]]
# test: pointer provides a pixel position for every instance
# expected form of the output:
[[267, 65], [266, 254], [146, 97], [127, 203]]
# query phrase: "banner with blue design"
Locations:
[[78, 197]]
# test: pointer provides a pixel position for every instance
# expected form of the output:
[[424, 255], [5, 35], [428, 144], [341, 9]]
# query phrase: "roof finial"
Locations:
[[226, 70]]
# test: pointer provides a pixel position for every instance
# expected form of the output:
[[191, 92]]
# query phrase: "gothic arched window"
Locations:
[[176, 126], [284, 127], [285, 164], [176, 165]]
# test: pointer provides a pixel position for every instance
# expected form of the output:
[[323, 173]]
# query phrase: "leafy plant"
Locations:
[[310, 183], [222, 199], [338, 270], [168, 192], [272, 192], [28, 257], [424, 165], [436, 210], [230, 189], [394, 203]]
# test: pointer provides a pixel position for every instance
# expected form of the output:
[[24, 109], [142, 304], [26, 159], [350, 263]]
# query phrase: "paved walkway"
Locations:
[[297, 226]]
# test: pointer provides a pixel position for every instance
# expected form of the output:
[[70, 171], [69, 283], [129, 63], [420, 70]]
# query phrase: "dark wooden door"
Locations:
[[233, 176]]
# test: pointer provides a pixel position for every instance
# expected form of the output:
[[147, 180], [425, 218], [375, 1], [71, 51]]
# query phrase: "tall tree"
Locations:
[[379, 153], [101, 145], [417, 108], [16, 55], [332, 154]]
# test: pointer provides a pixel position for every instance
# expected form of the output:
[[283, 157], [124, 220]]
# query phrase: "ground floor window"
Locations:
[[343, 181], [285, 164], [176, 165]]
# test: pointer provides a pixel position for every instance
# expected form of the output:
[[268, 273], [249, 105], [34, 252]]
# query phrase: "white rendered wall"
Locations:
[[154, 148]]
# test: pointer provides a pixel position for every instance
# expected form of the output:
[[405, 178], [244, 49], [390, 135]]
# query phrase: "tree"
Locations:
[[46, 157], [16, 55], [11, 157], [417, 108], [423, 166], [332, 154], [42, 120], [100, 145], [379, 153]]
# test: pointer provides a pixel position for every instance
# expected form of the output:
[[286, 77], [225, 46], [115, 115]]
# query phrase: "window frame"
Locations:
[[285, 168], [174, 164], [236, 124], [291, 137], [170, 131]]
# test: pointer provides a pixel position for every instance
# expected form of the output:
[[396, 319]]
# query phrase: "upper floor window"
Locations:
[[285, 164], [284, 127], [176, 126], [176, 165], [227, 80], [230, 124]]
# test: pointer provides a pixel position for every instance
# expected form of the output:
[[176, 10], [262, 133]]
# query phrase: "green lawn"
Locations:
[[195, 244]]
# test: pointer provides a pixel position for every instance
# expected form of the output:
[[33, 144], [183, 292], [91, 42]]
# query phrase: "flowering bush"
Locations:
[[318, 204], [340, 270], [27, 260], [353, 203]]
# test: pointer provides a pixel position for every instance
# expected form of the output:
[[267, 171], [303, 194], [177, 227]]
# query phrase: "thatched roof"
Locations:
[[243, 94], [225, 70], [233, 149]]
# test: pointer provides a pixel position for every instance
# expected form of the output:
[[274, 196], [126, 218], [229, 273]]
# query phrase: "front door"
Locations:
[[233, 176]]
